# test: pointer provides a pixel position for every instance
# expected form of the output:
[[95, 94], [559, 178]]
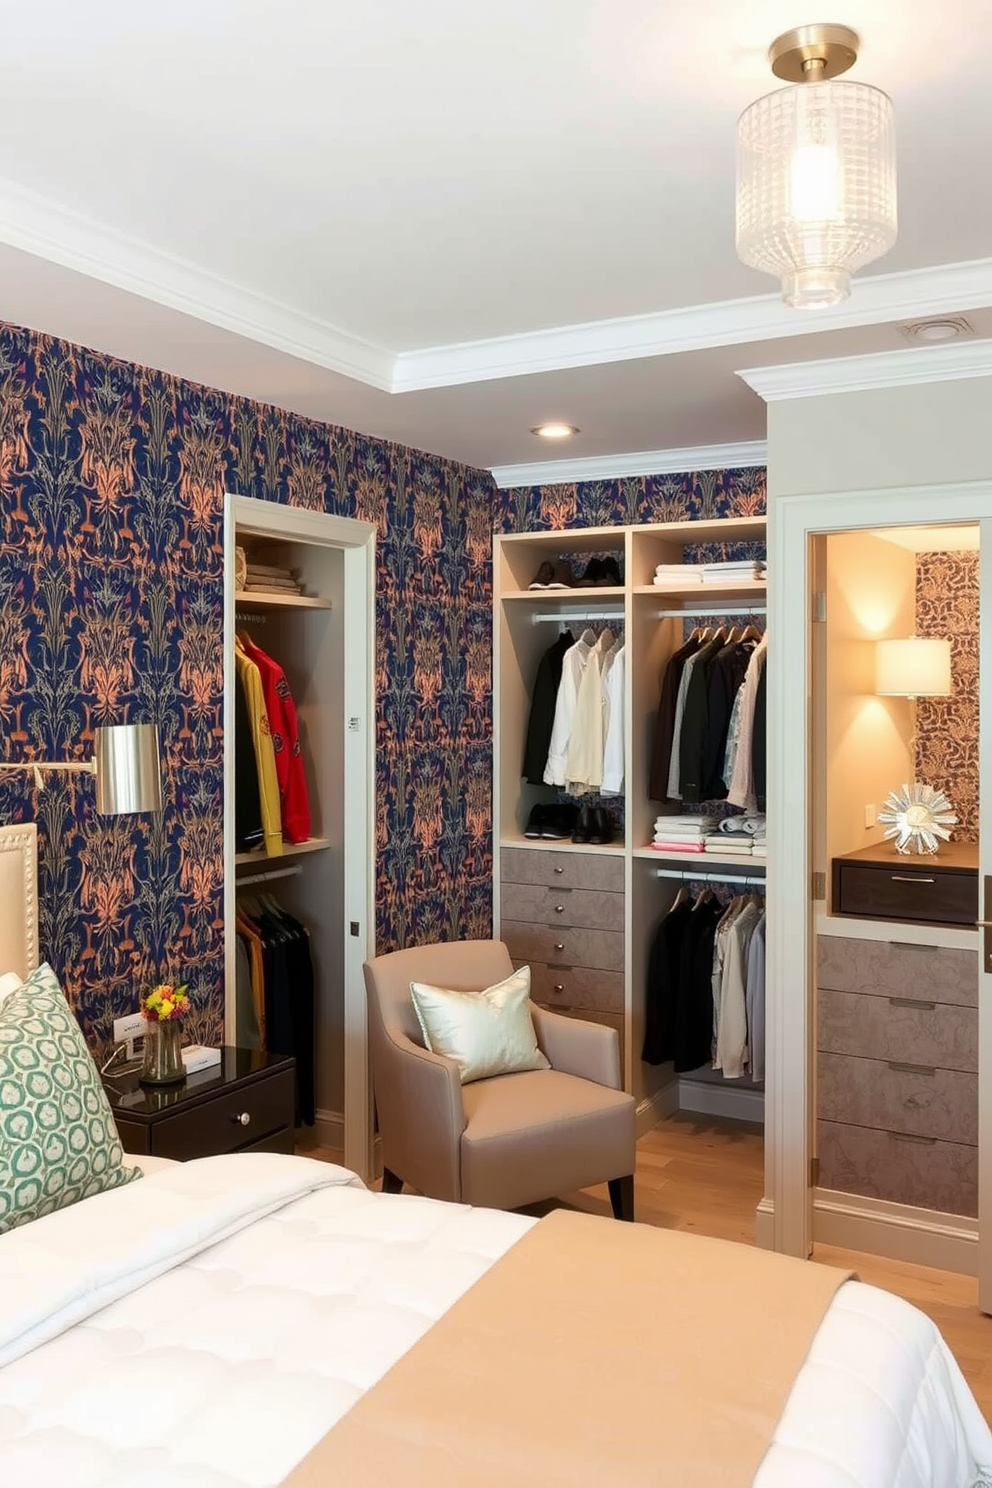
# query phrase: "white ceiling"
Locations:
[[441, 222]]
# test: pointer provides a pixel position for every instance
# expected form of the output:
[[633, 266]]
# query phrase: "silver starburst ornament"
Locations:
[[917, 816]]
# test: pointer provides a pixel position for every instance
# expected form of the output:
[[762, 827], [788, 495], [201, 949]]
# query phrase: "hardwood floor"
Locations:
[[703, 1174]]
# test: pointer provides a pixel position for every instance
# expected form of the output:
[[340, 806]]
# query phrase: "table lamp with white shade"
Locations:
[[917, 816]]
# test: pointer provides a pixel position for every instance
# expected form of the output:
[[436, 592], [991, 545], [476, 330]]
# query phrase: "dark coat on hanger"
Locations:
[[694, 717], [725, 677], [662, 989], [664, 728], [759, 741], [542, 709], [693, 1041]]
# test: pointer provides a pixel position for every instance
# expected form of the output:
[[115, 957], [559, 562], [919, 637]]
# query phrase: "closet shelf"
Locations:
[[557, 596], [712, 863], [253, 599], [290, 849], [745, 588], [563, 844]]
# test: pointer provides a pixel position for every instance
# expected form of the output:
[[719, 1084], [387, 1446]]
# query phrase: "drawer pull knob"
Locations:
[[912, 1002], [559, 945], [241, 1118], [911, 1069], [559, 870], [559, 986], [559, 909], [910, 878], [912, 1137]]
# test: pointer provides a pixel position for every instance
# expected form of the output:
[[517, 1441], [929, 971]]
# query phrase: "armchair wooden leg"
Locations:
[[622, 1197], [390, 1182]]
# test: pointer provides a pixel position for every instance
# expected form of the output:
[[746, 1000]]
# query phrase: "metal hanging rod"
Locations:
[[292, 871], [250, 617], [741, 609], [688, 874], [560, 616]]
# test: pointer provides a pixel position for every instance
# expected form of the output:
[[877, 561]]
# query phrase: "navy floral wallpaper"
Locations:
[[111, 483]]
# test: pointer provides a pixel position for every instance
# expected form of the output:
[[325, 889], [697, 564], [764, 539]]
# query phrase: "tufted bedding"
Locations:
[[204, 1328]]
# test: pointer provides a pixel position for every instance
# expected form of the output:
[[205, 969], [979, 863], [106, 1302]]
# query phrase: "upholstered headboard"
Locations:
[[19, 899]]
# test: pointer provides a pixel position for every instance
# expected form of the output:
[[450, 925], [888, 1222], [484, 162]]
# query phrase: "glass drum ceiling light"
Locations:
[[816, 170]]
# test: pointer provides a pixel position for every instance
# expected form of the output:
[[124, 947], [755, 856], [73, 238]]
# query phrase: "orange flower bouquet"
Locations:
[[164, 1001], [163, 1009]]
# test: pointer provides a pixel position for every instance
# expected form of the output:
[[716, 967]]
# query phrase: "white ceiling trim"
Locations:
[[42, 227], [875, 300], [884, 369], [641, 462]]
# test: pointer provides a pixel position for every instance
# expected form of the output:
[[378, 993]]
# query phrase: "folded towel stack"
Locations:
[[677, 575], [682, 833], [734, 572], [262, 578]]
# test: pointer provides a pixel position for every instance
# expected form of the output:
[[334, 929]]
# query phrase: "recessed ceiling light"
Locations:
[[555, 430], [946, 328]]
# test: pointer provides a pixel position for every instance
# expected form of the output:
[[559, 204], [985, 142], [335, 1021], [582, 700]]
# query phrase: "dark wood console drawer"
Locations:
[[878, 885]]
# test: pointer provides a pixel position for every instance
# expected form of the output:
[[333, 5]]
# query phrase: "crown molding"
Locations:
[[884, 297], [884, 369], [642, 462], [48, 230]]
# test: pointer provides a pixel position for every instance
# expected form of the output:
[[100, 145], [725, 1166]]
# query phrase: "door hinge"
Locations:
[[819, 607], [814, 1172], [818, 886]]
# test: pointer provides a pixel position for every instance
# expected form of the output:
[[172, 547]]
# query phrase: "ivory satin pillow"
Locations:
[[485, 1033]]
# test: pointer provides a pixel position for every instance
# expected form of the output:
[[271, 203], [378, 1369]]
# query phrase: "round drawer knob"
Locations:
[[559, 909], [559, 870], [559, 986], [559, 945], [241, 1118]]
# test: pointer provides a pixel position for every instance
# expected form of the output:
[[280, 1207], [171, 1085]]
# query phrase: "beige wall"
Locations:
[[906, 436]]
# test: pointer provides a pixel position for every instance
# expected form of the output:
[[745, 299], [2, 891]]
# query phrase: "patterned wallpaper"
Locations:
[[947, 728], [696, 496], [111, 483]]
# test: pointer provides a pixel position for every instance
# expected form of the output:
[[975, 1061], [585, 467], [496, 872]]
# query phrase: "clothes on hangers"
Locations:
[[740, 786], [294, 800], [613, 746], [754, 1001], [250, 680], [584, 759], [248, 833], [664, 730], [731, 1043], [282, 989], [541, 717], [573, 666]]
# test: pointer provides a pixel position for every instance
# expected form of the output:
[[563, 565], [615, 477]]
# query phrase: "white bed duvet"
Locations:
[[205, 1327]]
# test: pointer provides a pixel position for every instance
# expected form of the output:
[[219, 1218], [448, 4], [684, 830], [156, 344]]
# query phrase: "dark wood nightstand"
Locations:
[[244, 1104]]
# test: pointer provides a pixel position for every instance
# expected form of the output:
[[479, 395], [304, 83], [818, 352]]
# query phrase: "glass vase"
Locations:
[[163, 1061]]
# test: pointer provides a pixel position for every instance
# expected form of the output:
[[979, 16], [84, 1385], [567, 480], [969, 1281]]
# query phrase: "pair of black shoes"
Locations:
[[594, 825], [556, 821], [601, 573]]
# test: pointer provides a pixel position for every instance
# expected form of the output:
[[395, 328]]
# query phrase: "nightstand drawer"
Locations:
[[894, 968], [591, 909], [577, 987], [915, 1100], [567, 870], [564, 945], [244, 1117], [905, 1029]]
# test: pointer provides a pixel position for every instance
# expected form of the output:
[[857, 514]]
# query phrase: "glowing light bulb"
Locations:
[[814, 184]]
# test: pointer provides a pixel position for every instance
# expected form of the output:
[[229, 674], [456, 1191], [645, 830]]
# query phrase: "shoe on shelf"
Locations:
[[559, 822], [600, 826], [537, 821], [562, 578], [583, 825], [609, 574], [542, 579], [593, 574]]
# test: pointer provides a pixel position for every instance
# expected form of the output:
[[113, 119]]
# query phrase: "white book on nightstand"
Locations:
[[198, 1057]]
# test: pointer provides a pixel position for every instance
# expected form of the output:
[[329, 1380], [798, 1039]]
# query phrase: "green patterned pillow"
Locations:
[[58, 1141]]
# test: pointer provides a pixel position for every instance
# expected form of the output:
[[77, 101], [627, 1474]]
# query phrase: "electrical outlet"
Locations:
[[131, 1027], [870, 815]]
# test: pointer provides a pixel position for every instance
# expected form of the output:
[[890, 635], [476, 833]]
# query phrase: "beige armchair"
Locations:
[[499, 1142]]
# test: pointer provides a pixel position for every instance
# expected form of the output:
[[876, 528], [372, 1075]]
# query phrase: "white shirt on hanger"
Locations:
[[584, 761], [573, 664], [613, 751]]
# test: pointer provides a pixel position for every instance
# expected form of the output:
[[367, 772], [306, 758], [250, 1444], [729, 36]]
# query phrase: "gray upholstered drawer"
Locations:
[[577, 987], [920, 1100], [902, 1169], [567, 870], [595, 909], [893, 968], [563, 945], [901, 1028], [592, 1015]]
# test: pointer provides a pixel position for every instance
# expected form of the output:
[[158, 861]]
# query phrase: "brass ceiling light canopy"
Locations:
[[816, 170]]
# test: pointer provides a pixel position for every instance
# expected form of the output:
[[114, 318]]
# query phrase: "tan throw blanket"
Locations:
[[592, 1354]]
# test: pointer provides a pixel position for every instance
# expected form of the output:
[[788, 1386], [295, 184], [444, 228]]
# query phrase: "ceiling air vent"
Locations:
[[939, 328]]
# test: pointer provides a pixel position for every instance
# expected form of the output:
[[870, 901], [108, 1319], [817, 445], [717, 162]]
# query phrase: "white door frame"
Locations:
[[785, 1214]]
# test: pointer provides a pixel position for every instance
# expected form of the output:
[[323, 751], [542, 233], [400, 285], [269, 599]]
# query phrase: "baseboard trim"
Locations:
[[764, 1225], [657, 1107], [721, 1100], [899, 1232]]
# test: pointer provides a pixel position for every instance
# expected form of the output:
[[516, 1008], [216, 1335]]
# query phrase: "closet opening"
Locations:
[[894, 903]]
